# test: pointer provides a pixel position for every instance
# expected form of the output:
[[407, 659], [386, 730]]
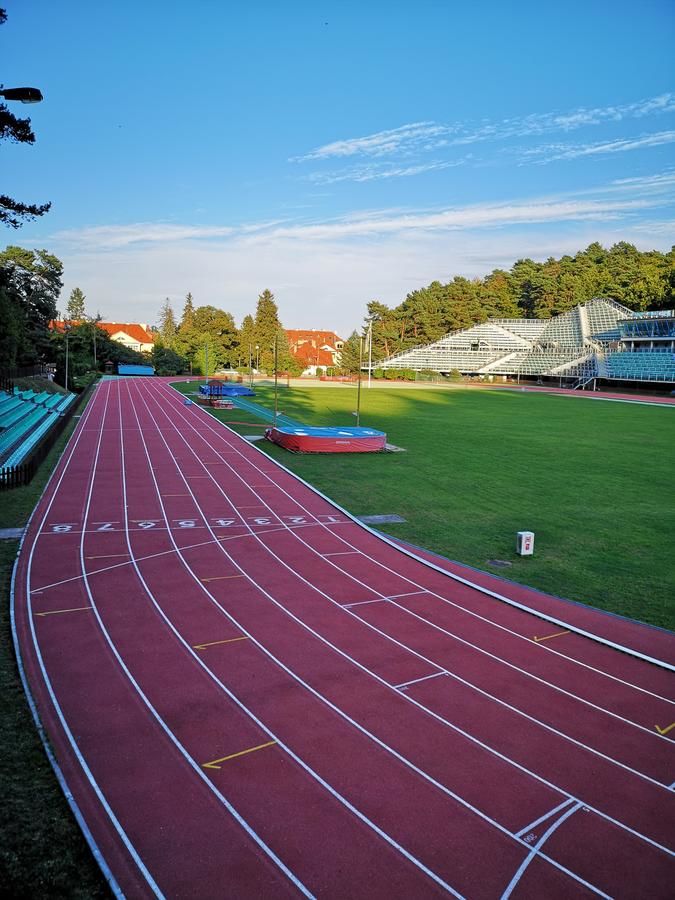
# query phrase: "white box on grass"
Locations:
[[525, 543]]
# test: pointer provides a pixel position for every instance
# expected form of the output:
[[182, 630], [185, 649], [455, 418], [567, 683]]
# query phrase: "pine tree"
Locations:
[[187, 320], [246, 342], [351, 353], [167, 324], [267, 328], [75, 308]]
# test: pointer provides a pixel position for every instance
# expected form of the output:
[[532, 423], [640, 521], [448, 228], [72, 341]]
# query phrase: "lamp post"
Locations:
[[257, 357], [21, 94], [370, 350], [66, 328], [358, 384], [276, 381], [250, 365]]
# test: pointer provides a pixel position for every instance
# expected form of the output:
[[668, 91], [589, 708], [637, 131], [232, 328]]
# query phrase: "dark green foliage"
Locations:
[[168, 362], [30, 284], [75, 308], [351, 355]]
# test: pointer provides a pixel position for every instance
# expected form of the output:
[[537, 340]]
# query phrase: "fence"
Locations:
[[22, 474], [7, 376]]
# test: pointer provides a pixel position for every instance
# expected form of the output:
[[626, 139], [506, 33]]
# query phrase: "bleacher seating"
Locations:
[[599, 339], [641, 365], [25, 417]]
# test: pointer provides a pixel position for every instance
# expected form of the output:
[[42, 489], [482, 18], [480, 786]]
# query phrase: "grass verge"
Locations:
[[42, 852], [590, 478]]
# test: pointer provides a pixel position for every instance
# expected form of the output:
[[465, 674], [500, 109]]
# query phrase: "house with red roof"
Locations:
[[314, 349], [134, 335]]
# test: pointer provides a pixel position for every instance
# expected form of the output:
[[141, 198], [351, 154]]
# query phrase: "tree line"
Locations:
[[639, 280], [207, 336], [31, 283]]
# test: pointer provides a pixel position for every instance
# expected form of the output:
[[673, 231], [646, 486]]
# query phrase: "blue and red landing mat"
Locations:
[[218, 389], [308, 439]]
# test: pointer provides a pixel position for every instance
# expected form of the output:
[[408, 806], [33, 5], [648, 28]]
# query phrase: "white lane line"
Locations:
[[196, 768], [551, 812], [363, 602], [443, 788], [383, 538], [173, 393], [468, 643], [404, 695], [550, 728], [343, 800], [535, 851], [339, 553], [71, 738], [406, 684]]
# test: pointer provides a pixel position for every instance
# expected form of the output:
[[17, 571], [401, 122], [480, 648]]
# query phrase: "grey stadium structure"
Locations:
[[600, 339]]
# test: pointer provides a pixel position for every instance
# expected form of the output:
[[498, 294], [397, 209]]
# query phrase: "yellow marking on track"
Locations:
[[214, 763], [664, 730], [107, 556], [548, 637], [214, 643], [55, 612], [220, 578]]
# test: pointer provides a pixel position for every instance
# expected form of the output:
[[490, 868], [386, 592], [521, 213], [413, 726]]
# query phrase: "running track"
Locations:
[[249, 694]]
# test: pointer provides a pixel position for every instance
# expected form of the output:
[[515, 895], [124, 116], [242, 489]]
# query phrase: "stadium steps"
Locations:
[[20, 430], [14, 416], [32, 439], [496, 364]]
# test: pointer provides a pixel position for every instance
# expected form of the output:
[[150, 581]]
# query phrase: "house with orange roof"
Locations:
[[314, 349], [134, 335]]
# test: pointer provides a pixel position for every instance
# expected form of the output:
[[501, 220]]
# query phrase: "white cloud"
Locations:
[[379, 171], [405, 137], [323, 272], [421, 137], [553, 152]]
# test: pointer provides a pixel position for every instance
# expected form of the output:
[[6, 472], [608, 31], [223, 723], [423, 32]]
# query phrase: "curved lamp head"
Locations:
[[22, 94]]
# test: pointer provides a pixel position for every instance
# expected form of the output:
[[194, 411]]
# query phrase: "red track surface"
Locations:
[[249, 694]]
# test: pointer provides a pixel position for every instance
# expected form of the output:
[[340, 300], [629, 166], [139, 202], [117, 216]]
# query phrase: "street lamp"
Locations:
[[257, 357], [21, 94], [66, 327]]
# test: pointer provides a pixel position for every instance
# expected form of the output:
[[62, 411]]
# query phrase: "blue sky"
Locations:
[[334, 152]]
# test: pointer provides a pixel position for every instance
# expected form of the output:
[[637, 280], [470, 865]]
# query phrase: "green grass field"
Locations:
[[592, 479]]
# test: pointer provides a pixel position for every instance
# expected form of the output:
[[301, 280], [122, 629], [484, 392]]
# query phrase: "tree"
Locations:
[[187, 319], [246, 342], [12, 212], [267, 328], [167, 324], [75, 306], [31, 282], [167, 361], [351, 354]]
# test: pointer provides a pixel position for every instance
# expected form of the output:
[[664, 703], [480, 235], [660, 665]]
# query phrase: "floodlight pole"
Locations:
[[370, 352], [276, 379], [66, 328], [358, 384], [206, 363], [250, 365]]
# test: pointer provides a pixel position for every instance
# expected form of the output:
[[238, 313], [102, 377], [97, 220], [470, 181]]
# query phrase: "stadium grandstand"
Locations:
[[600, 339], [25, 418]]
